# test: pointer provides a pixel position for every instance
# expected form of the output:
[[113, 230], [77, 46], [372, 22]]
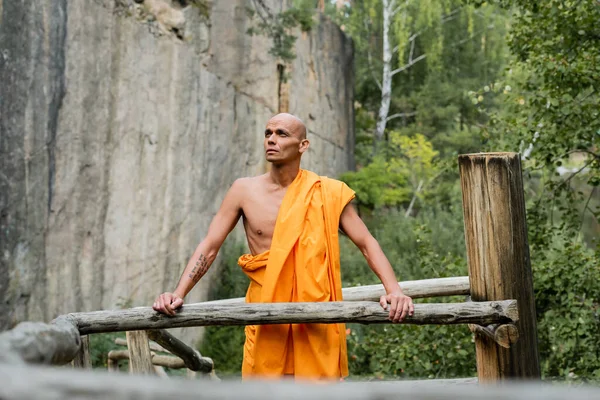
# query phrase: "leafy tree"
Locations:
[[551, 97], [279, 26], [393, 179], [402, 47], [549, 110]]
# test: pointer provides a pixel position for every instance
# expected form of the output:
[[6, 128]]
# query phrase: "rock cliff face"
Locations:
[[122, 125]]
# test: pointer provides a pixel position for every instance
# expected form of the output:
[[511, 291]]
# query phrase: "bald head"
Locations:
[[293, 124]]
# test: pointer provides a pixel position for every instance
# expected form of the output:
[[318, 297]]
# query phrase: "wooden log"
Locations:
[[113, 365], [168, 361], [153, 346], [83, 358], [418, 289], [160, 371], [140, 359], [504, 335], [37, 342], [145, 318], [498, 258], [156, 359], [29, 382], [192, 358], [118, 355]]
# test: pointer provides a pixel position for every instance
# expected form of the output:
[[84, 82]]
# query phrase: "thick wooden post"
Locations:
[[498, 257], [83, 358], [140, 361]]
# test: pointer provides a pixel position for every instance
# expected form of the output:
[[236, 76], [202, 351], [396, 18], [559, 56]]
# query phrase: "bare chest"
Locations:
[[260, 212]]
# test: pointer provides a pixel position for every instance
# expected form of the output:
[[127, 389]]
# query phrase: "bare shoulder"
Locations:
[[243, 186]]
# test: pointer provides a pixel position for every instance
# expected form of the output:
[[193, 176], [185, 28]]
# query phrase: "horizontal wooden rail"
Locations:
[[41, 343], [29, 382], [481, 313], [163, 361], [59, 341], [454, 286]]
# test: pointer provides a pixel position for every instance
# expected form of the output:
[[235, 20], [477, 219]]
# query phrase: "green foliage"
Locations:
[[417, 251], [406, 352], [279, 27], [224, 344], [550, 93], [463, 48], [396, 174], [567, 291], [549, 110], [100, 345]]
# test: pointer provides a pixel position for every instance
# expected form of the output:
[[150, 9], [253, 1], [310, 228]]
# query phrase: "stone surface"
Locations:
[[121, 130]]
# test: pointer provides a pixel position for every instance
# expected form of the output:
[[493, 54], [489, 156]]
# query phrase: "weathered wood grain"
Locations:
[[498, 258], [504, 335], [118, 355], [192, 358], [153, 346], [29, 382], [140, 359], [157, 359], [83, 358], [418, 289], [37, 342], [145, 318]]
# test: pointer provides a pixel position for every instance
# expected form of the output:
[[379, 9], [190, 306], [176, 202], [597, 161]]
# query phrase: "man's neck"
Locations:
[[284, 175]]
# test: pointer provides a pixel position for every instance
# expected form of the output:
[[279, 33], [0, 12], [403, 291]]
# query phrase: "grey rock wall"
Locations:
[[120, 136]]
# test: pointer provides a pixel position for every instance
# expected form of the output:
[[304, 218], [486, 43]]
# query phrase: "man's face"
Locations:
[[283, 140]]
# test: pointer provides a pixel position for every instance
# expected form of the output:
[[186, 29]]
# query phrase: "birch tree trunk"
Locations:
[[386, 81]]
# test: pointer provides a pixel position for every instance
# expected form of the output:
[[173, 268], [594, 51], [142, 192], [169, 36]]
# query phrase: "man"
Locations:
[[291, 218]]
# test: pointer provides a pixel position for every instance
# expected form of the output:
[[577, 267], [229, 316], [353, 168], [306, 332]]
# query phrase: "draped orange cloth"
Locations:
[[302, 265]]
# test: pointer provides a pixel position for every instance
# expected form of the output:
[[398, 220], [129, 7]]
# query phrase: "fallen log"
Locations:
[[145, 318], [418, 289]]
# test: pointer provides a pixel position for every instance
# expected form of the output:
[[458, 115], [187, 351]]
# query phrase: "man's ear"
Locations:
[[304, 144]]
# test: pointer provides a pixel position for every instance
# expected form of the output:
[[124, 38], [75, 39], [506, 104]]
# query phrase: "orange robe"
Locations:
[[302, 265]]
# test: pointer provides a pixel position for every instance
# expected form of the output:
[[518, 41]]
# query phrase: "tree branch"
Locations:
[[400, 115], [577, 172], [410, 64], [585, 208], [414, 198]]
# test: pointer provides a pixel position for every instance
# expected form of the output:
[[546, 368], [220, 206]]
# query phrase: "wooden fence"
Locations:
[[500, 311]]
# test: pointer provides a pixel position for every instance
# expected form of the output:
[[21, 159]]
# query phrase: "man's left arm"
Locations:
[[353, 226]]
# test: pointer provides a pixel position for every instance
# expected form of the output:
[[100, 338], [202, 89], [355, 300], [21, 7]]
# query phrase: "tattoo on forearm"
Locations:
[[199, 269]]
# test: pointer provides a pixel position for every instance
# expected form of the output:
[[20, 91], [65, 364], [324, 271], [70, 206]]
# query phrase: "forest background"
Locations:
[[439, 78]]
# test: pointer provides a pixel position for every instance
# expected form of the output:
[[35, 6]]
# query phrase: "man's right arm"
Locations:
[[206, 252]]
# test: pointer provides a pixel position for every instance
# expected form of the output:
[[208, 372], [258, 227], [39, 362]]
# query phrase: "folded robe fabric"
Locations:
[[302, 265]]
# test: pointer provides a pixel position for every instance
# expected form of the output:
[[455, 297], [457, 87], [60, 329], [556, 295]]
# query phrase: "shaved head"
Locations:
[[293, 123]]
